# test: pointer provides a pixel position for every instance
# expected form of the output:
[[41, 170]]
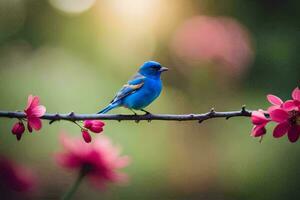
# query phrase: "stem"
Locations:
[[78, 125], [69, 194]]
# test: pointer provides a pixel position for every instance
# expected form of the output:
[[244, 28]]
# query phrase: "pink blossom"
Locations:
[[95, 126], [285, 114], [86, 136], [15, 177], [33, 113], [18, 129], [259, 120], [288, 122], [100, 159], [214, 39]]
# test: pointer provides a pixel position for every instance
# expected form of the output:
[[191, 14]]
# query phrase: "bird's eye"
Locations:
[[154, 68]]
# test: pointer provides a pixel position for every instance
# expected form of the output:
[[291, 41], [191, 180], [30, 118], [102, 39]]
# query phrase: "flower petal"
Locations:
[[281, 129], [38, 111], [258, 130], [68, 160], [29, 128], [29, 101], [289, 105], [87, 123], [35, 123], [18, 128], [86, 136], [19, 136], [279, 115], [95, 126], [32, 102], [271, 108], [258, 118], [122, 162], [96, 129], [296, 94], [294, 133], [276, 101]]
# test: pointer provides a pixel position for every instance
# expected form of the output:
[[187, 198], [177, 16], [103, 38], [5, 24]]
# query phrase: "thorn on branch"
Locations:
[[212, 112], [71, 115], [244, 109], [56, 118]]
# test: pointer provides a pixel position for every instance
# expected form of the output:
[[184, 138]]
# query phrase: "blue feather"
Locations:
[[141, 90]]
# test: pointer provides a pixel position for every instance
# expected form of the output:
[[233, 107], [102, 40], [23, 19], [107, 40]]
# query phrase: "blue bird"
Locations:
[[143, 88]]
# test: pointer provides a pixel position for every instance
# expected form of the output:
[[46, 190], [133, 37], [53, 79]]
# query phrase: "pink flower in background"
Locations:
[[18, 129], [99, 160], [260, 121], [33, 112], [95, 126], [215, 39], [15, 177]]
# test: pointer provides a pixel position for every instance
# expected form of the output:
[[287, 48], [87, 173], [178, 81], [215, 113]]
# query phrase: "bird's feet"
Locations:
[[146, 112], [133, 112]]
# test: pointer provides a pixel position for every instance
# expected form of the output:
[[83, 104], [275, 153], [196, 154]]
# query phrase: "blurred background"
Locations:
[[75, 54]]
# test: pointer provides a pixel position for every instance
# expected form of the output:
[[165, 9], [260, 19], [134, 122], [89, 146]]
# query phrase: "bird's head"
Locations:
[[152, 69]]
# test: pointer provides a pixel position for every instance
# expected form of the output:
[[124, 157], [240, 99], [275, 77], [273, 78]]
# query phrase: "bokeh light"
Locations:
[[220, 40], [72, 6]]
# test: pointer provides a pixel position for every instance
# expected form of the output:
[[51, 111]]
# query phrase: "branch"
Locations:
[[148, 117]]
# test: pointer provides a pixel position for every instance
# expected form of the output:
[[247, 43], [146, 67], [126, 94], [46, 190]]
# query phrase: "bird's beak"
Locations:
[[163, 69]]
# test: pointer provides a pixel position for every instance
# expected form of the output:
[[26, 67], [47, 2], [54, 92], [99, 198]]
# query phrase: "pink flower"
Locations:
[[95, 126], [33, 112], [18, 129], [259, 120], [215, 39], [15, 177], [288, 122], [86, 136], [99, 160], [286, 114]]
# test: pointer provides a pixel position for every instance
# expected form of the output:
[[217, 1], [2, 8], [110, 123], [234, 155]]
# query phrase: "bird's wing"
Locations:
[[136, 82]]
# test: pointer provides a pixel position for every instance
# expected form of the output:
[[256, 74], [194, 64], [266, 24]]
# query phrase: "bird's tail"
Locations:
[[108, 108]]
